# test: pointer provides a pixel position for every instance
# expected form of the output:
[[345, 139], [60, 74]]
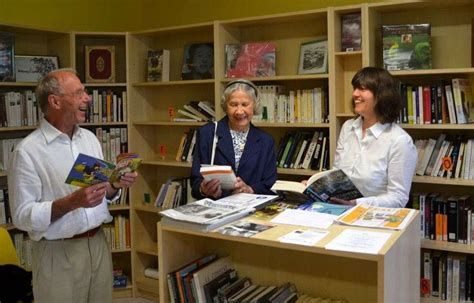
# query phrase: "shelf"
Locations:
[[447, 246], [296, 172], [443, 181], [301, 125], [123, 292], [118, 207], [124, 250], [8, 226], [18, 84], [167, 123], [439, 126], [441, 71], [145, 208], [148, 249], [147, 284], [282, 78], [103, 124], [19, 128], [105, 84], [173, 83], [347, 54], [3, 173], [173, 163], [344, 115]]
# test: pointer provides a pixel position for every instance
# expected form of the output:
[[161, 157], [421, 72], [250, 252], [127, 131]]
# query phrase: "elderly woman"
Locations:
[[248, 150]]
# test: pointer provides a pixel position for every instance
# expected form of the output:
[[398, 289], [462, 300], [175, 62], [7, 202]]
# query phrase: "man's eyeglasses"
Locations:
[[78, 93]]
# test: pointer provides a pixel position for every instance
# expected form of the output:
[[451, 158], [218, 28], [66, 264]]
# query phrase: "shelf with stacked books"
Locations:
[[447, 246], [169, 123], [173, 83]]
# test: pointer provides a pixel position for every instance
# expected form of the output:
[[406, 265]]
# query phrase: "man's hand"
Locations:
[[342, 201], [126, 180], [84, 197]]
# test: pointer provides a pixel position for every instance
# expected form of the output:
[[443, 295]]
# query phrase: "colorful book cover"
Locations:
[[326, 208], [88, 170], [198, 61], [406, 46], [256, 59], [351, 39]]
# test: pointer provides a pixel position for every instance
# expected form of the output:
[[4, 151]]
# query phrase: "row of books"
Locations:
[[447, 276], [445, 158], [300, 106], [107, 106], [196, 111], [445, 218], [123, 200], [186, 146], [175, 192], [214, 279], [113, 140], [23, 246], [6, 150], [449, 102], [117, 233], [304, 150], [5, 215], [19, 109]]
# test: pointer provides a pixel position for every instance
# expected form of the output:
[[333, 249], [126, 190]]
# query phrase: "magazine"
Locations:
[[244, 228], [88, 170], [207, 214], [325, 208], [222, 172], [320, 187], [379, 217]]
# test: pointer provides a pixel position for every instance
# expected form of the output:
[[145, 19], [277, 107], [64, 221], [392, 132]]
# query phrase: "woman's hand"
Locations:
[[211, 188], [241, 187], [304, 182]]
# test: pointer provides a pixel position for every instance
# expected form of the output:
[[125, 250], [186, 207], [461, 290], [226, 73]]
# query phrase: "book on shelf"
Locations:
[[212, 273], [223, 173], [222, 281], [225, 293], [320, 187], [207, 214], [176, 191], [377, 217], [253, 59], [158, 65], [88, 170], [463, 100], [406, 46], [198, 61], [351, 32]]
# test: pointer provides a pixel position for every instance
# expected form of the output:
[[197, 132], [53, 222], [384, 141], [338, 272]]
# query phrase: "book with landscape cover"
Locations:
[[207, 214], [254, 59], [158, 65], [320, 187], [88, 170], [351, 33], [406, 46]]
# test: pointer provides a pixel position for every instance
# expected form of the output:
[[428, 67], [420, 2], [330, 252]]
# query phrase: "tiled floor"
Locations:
[[132, 300]]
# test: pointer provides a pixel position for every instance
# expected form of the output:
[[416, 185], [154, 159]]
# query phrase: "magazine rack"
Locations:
[[389, 276]]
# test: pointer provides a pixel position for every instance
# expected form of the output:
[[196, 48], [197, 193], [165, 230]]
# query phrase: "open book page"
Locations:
[[331, 183], [88, 170], [208, 211], [379, 217], [224, 173]]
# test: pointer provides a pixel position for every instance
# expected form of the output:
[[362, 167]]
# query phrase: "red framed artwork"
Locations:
[[100, 64]]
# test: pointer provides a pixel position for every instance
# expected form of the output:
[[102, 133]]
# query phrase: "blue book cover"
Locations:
[[321, 207]]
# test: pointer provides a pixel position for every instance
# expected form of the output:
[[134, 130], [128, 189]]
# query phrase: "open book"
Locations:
[[222, 172], [207, 214], [88, 170], [320, 187]]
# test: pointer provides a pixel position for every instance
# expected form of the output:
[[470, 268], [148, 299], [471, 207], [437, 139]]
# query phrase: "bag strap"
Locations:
[[214, 143]]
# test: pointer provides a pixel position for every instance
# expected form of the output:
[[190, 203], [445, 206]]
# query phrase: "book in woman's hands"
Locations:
[[320, 187], [222, 172], [88, 170]]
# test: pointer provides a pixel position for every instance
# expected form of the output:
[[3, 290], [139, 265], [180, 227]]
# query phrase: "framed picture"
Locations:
[[7, 53], [198, 61], [100, 64], [313, 57], [32, 68]]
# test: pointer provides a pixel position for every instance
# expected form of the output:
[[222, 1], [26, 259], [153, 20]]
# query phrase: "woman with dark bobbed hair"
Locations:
[[248, 150], [375, 152]]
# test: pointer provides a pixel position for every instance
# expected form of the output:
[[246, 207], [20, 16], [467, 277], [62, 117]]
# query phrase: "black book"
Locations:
[[453, 219], [283, 292], [227, 292], [211, 288]]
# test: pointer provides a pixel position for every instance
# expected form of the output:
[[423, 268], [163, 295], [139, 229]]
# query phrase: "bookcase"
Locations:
[[316, 271], [69, 48], [150, 127]]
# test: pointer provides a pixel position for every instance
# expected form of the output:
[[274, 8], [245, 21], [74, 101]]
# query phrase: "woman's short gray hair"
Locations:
[[244, 85]]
